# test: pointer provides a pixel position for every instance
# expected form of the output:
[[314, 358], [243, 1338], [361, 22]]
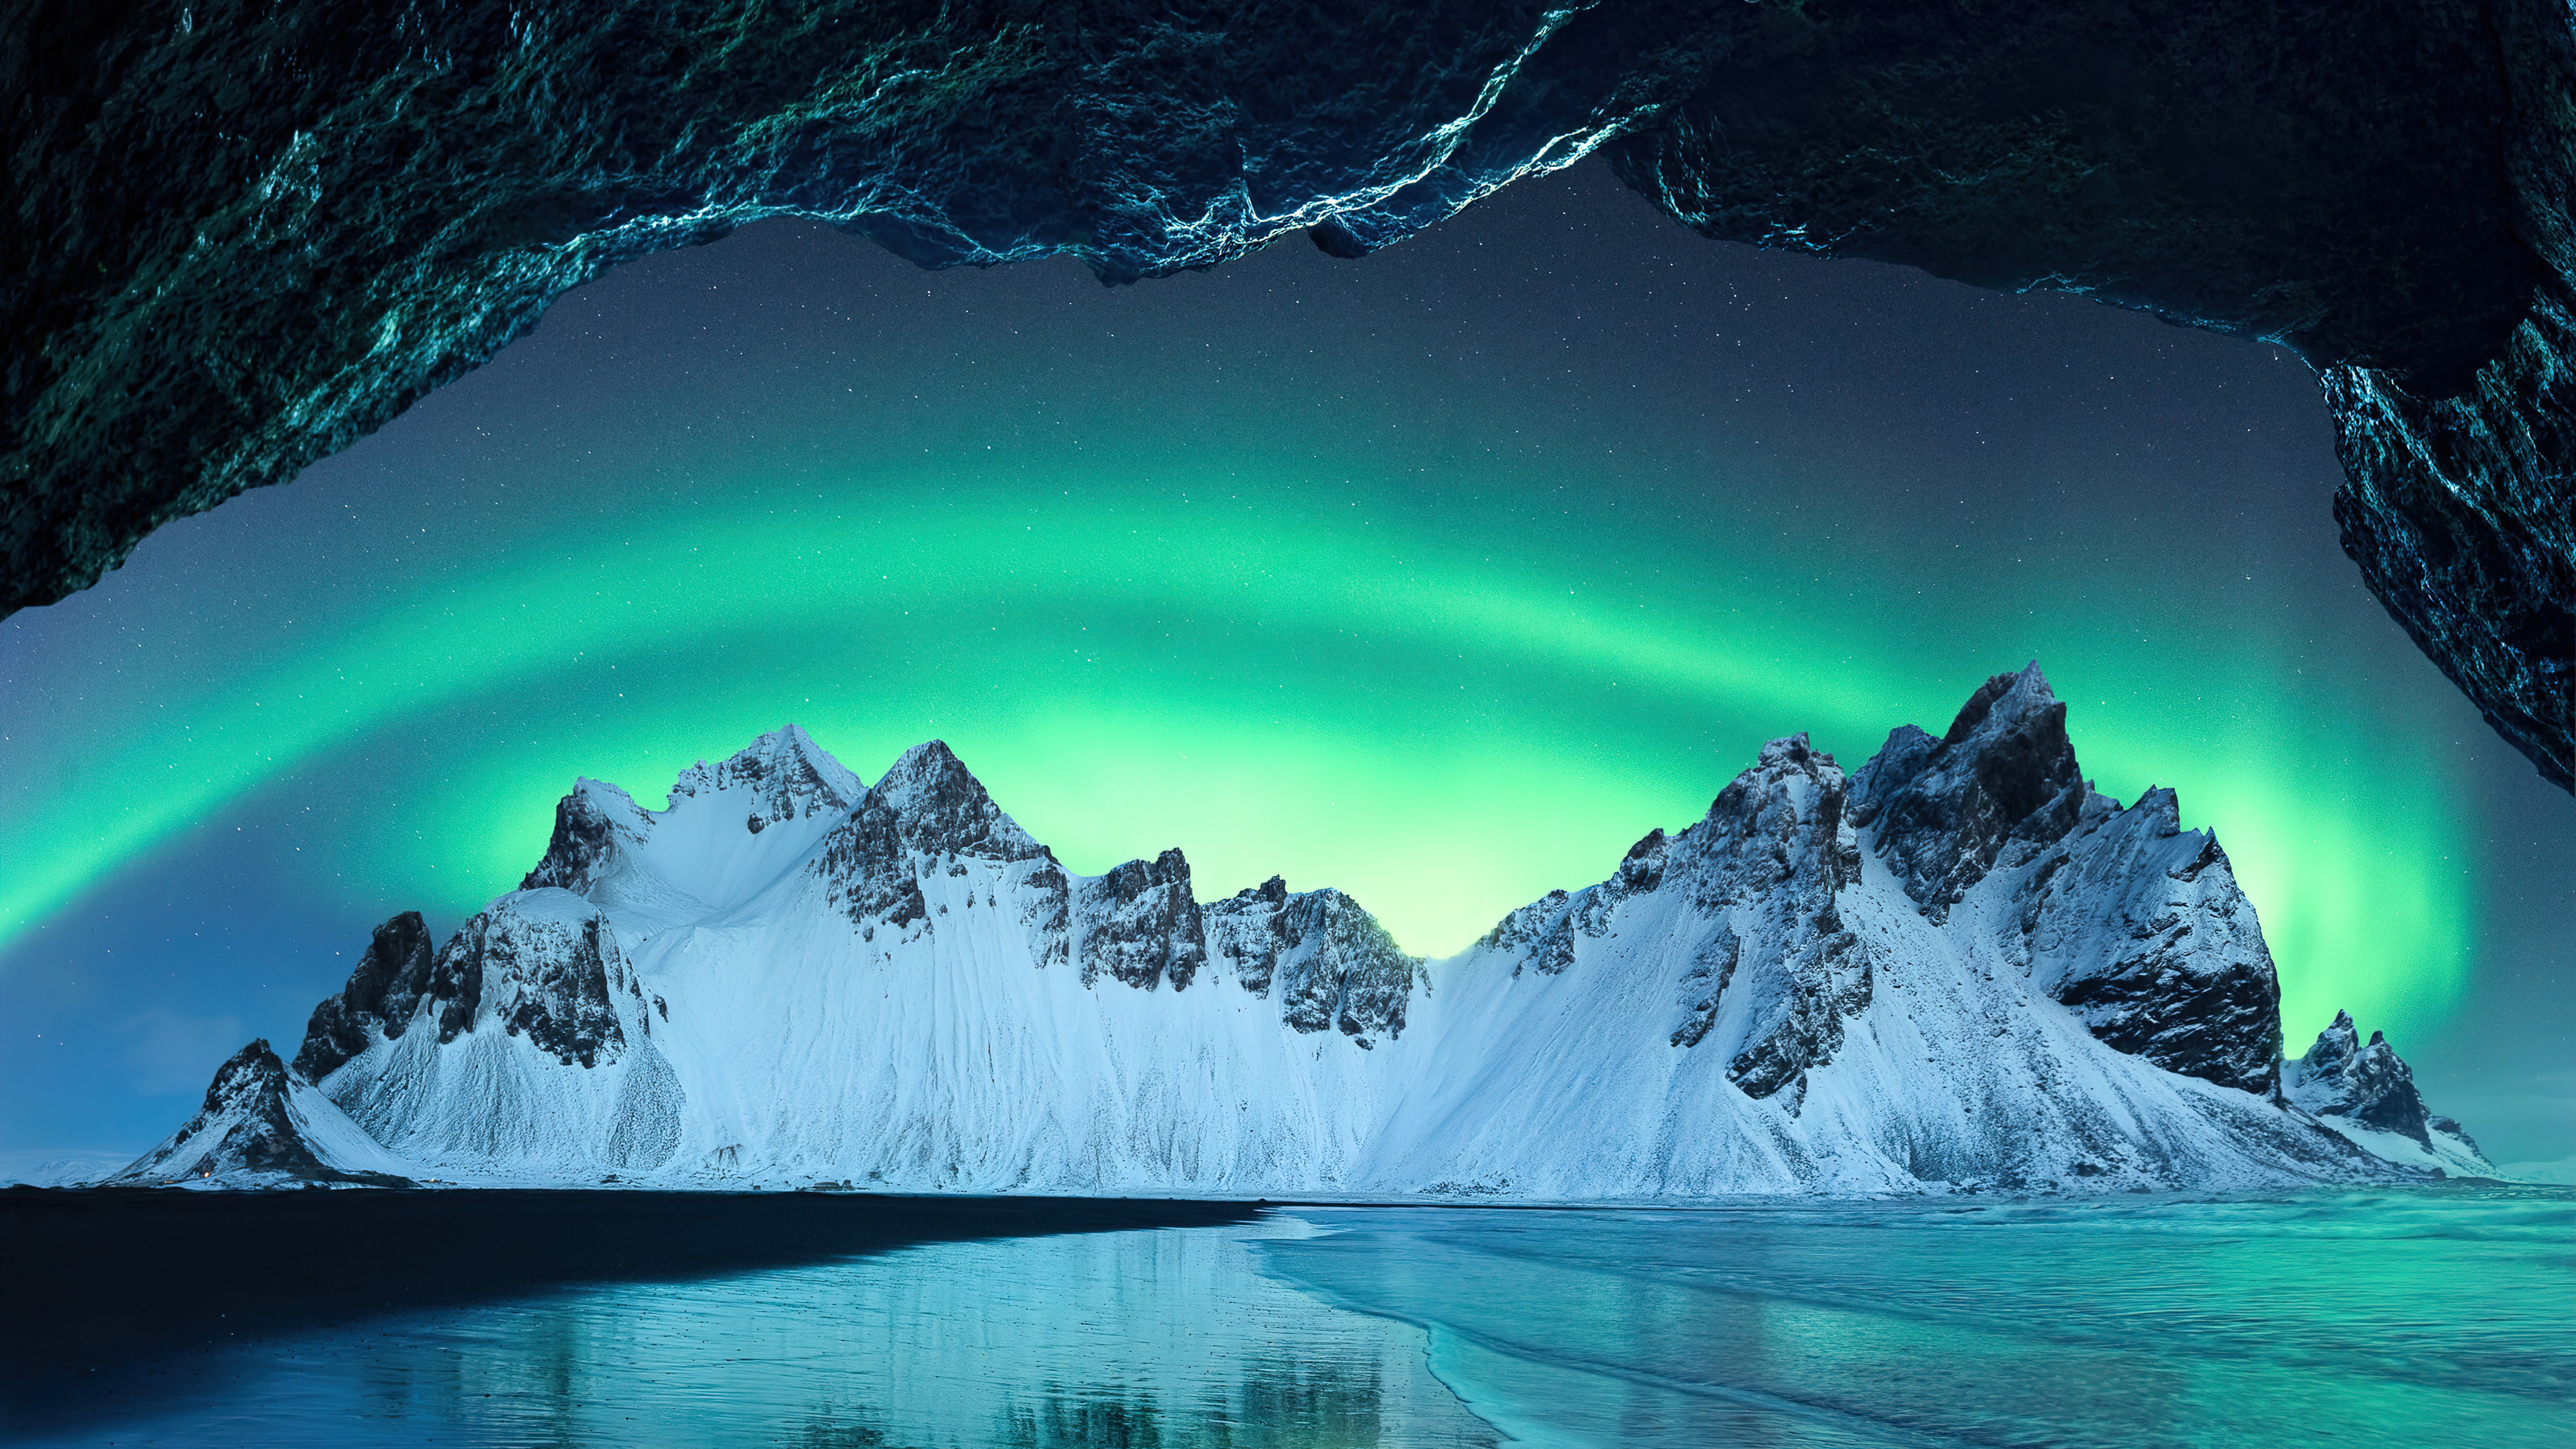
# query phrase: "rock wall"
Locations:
[[247, 234]]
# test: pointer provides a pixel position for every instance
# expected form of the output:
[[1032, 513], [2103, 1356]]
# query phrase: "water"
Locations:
[[2386, 1317]]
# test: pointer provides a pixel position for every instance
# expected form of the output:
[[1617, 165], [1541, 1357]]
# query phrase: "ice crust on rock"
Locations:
[[1961, 969]]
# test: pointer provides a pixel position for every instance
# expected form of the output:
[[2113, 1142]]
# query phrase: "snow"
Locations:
[[258, 1105], [793, 979], [770, 1039], [58, 1167]]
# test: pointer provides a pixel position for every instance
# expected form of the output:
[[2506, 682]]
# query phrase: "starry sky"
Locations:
[[1439, 576]]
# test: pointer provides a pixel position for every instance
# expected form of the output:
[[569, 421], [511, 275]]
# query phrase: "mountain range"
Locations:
[[1961, 968]]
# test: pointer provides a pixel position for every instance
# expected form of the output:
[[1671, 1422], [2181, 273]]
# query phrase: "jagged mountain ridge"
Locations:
[[2367, 1093], [1960, 967]]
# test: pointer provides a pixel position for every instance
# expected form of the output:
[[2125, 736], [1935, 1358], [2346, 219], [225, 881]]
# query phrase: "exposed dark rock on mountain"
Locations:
[[2139, 926], [1945, 809], [537, 962], [1140, 924], [1757, 881], [548, 978], [941, 808], [785, 775], [254, 1130], [1330, 963], [929, 806], [2343, 1077], [380, 996], [584, 844], [2367, 1085], [1778, 844], [248, 234]]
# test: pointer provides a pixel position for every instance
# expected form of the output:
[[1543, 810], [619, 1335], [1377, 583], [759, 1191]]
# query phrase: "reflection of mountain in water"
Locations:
[[1144, 1338], [1273, 1399], [2354, 1318]]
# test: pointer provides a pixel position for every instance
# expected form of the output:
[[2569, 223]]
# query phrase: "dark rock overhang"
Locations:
[[246, 234]]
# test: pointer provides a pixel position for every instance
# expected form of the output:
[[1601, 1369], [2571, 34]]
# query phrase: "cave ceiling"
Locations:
[[244, 235]]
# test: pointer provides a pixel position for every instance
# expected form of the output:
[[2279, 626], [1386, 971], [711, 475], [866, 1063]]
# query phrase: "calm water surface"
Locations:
[[2388, 1317]]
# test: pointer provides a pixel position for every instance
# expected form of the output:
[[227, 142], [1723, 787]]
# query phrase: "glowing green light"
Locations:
[[1273, 675]]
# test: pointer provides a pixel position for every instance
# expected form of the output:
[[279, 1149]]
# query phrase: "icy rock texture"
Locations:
[[927, 817], [539, 962], [1945, 810], [2367, 1092], [2462, 516], [1960, 970], [1140, 924], [1330, 964], [1761, 875], [533, 1032], [393, 193], [380, 997], [2125, 917], [263, 1125]]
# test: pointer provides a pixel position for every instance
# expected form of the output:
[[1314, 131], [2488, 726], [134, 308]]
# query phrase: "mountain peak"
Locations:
[[1792, 751], [945, 808], [786, 773], [252, 1070], [2004, 701], [926, 804], [589, 825], [2366, 1085], [928, 766], [1945, 809], [2336, 1046], [258, 1128]]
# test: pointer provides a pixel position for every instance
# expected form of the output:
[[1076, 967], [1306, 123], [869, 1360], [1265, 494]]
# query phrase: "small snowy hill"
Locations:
[[2368, 1094], [1962, 968], [264, 1126]]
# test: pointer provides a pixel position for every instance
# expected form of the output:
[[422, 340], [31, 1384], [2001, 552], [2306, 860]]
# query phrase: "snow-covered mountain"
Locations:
[[265, 1126], [2368, 1094], [1961, 968]]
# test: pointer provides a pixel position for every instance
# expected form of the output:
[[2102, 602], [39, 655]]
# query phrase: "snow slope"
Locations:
[[263, 1125], [1962, 968]]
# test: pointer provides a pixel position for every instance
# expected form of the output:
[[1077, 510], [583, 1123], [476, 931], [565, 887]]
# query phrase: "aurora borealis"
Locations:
[[1439, 577]]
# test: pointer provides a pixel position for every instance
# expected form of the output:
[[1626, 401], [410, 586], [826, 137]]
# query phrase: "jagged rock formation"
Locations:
[[537, 962], [1333, 966], [392, 193], [1140, 924], [1960, 969], [2136, 924], [263, 1125], [2367, 1093], [2460, 513], [381, 995]]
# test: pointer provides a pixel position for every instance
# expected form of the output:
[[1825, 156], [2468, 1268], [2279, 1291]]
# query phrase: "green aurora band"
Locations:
[[1445, 717]]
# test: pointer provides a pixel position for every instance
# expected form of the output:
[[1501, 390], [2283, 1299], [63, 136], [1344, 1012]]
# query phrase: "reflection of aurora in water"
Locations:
[[2361, 1319]]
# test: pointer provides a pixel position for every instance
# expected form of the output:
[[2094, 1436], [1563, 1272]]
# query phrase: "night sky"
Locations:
[[1439, 576]]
